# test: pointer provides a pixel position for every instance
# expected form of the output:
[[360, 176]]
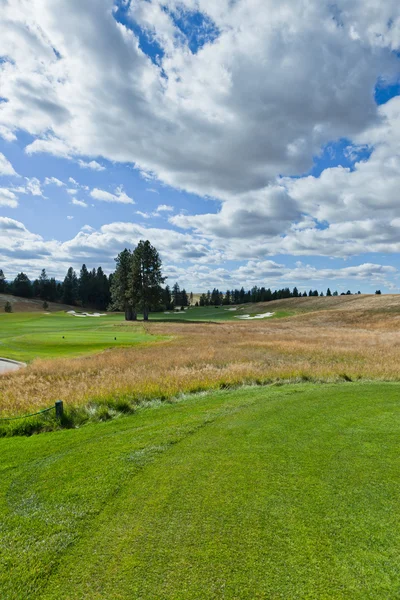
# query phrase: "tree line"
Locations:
[[136, 286], [261, 294]]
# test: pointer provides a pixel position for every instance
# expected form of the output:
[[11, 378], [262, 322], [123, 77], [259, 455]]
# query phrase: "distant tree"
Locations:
[[191, 299], [44, 286], [8, 307], [52, 290], [304, 294], [184, 298], [335, 293], [358, 293], [2, 282], [348, 293], [176, 294], [215, 297], [121, 296], [166, 298], [45, 305], [321, 294], [22, 286], [146, 277], [203, 300], [84, 285], [70, 287], [328, 292], [378, 292], [295, 292], [227, 298]]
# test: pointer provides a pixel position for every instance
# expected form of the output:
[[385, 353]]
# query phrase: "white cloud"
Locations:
[[164, 208], [6, 167], [8, 198], [119, 196], [232, 120], [53, 181], [79, 203], [33, 186], [93, 165], [69, 217]]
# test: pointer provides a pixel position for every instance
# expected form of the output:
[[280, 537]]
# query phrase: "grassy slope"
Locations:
[[282, 492], [25, 336]]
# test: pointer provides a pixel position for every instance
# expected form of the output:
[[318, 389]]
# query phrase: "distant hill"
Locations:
[[30, 304]]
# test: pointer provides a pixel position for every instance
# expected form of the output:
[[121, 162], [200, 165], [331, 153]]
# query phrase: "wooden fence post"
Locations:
[[59, 409]]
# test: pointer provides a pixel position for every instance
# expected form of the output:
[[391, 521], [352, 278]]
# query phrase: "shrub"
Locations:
[[45, 305], [8, 307]]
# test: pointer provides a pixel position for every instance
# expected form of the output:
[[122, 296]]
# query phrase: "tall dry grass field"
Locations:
[[345, 338]]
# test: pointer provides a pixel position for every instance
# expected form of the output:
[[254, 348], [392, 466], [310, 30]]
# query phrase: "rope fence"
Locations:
[[58, 407]]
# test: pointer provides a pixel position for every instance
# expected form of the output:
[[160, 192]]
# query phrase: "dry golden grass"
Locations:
[[347, 337]]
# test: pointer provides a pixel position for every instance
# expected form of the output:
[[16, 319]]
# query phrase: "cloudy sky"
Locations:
[[251, 141]]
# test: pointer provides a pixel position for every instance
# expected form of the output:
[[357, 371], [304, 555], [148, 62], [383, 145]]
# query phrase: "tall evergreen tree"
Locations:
[[328, 292], [44, 284], [70, 287], [2, 282], [84, 279], [22, 286], [146, 278], [176, 294], [120, 286]]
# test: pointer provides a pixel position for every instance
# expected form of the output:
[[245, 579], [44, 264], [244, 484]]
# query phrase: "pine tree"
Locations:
[[176, 294], [184, 298], [167, 298], [22, 286], [2, 282], [146, 278], [84, 279], [70, 287], [43, 285], [120, 286], [328, 292]]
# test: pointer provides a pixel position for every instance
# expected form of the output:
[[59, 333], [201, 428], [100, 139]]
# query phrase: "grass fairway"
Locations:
[[279, 492], [25, 336]]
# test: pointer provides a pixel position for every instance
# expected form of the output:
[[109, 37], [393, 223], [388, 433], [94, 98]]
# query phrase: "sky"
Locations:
[[253, 142]]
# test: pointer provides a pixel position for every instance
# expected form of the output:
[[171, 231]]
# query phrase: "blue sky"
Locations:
[[248, 155]]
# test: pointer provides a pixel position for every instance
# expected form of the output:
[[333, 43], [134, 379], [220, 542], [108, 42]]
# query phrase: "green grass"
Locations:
[[280, 492], [221, 313], [25, 336]]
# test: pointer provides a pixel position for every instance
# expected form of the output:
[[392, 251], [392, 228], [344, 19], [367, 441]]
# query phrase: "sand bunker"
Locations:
[[230, 308], [75, 314], [249, 318]]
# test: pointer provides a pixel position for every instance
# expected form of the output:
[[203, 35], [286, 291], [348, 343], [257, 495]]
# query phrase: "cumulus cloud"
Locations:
[[93, 165], [119, 196], [8, 198], [53, 181], [79, 203], [232, 111], [6, 167], [164, 208], [214, 121]]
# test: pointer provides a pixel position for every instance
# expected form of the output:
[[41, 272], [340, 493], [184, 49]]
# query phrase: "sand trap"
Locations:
[[249, 318], [230, 308], [75, 314], [167, 313]]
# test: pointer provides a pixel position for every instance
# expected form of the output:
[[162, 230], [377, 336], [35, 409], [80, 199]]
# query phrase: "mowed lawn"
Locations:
[[279, 492], [25, 336]]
